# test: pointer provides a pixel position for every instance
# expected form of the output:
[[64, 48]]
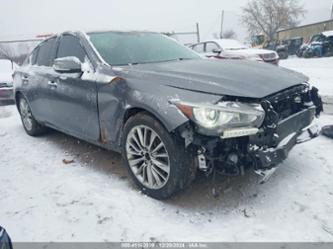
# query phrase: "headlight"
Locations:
[[216, 119], [210, 118]]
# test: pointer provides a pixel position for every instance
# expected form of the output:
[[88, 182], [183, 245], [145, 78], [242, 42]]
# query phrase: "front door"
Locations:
[[73, 96]]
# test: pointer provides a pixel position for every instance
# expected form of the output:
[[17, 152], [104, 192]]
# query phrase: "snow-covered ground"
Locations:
[[92, 199], [320, 71]]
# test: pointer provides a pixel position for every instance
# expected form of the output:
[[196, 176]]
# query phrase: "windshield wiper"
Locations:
[[147, 62]]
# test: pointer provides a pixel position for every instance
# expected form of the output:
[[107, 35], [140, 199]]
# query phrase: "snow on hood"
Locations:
[[231, 44], [234, 47], [251, 51]]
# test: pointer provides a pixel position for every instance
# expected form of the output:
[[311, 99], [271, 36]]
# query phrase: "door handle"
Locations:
[[52, 83]]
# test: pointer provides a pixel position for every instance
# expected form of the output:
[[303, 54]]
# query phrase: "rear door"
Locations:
[[35, 77], [73, 96]]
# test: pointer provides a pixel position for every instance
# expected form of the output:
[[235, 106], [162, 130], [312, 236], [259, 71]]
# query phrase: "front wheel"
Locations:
[[157, 160], [31, 126]]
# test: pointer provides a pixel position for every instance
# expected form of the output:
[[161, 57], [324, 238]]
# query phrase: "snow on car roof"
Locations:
[[230, 44], [328, 33]]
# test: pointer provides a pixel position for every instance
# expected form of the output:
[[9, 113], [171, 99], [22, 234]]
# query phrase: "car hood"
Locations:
[[240, 78]]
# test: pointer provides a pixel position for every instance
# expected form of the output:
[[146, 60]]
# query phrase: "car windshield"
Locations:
[[126, 48]]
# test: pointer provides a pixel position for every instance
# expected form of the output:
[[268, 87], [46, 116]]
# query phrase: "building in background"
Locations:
[[305, 31]]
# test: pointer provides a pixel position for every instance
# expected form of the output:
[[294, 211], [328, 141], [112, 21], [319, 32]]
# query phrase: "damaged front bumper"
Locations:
[[262, 152], [290, 119], [296, 129]]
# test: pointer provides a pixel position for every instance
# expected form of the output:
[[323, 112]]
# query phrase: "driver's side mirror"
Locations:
[[68, 64], [217, 50]]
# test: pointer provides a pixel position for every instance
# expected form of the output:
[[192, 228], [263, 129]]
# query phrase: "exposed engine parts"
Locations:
[[288, 117]]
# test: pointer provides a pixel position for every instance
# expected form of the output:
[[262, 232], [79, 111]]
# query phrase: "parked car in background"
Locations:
[[233, 49], [167, 110], [301, 50], [280, 49], [6, 80], [262, 42], [293, 45], [320, 45]]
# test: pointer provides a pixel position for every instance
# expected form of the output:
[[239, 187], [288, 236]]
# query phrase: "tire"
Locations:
[[308, 54], [162, 173], [30, 125], [283, 55]]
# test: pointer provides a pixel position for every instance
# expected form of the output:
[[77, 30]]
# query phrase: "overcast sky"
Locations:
[[30, 17]]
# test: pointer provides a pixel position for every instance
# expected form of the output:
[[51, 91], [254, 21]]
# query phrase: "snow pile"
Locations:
[[45, 196], [320, 71], [56, 188]]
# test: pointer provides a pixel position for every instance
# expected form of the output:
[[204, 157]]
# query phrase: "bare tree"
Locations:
[[229, 34], [16, 51], [6, 52], [268, 16]]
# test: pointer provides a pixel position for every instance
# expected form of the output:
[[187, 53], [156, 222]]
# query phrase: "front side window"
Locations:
[[45, 52], [70, 46], [124, 48]]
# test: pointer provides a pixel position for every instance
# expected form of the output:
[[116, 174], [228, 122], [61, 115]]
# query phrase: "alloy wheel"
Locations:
[[26, 114], [148, 157]]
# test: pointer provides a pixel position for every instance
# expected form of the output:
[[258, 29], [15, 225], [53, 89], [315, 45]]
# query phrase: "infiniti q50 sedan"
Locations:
[[167, 110]]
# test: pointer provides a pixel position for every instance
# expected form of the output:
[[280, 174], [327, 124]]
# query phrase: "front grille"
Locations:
[[290, 101], [268, 57]]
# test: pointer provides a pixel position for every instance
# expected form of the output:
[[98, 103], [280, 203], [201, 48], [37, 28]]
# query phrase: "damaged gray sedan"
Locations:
[[168, 111]]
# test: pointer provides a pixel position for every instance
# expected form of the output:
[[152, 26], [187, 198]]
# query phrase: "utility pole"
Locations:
[[222, 20], [332, 12], [198, 32]]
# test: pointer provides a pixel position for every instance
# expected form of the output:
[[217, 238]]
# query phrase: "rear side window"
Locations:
[[70, 46], [45, 53], [199, 48]]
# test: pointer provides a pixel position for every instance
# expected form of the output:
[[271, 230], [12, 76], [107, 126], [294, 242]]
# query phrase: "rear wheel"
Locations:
[[157, 160], [31, 126]]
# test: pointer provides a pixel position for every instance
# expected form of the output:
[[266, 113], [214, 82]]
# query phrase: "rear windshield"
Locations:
[[125, 48]]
